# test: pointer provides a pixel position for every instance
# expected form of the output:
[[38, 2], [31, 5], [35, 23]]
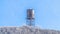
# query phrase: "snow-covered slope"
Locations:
[[26, 30]]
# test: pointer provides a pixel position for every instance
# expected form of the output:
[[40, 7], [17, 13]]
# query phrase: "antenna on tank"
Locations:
[[30, 17]]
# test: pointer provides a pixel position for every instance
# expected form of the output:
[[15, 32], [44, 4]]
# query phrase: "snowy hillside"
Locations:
[[26, 30]]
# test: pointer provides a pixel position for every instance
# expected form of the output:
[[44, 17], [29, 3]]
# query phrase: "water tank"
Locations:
[[30, 14]]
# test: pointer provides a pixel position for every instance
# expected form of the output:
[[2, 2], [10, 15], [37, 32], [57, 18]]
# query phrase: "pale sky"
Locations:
[[47, 13]]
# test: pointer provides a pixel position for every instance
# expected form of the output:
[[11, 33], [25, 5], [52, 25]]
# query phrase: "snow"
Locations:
[[26, 30]]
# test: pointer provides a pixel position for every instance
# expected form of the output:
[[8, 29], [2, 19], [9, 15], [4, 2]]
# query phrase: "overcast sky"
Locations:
[[47, 13]]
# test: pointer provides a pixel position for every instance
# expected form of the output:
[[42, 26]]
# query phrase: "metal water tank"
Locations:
[[30, 14]]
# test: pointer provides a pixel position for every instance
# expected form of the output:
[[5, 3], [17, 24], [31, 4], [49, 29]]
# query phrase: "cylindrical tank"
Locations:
[[30, 14]]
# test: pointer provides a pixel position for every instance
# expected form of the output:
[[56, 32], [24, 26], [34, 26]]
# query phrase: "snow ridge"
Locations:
[[26, 30]]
